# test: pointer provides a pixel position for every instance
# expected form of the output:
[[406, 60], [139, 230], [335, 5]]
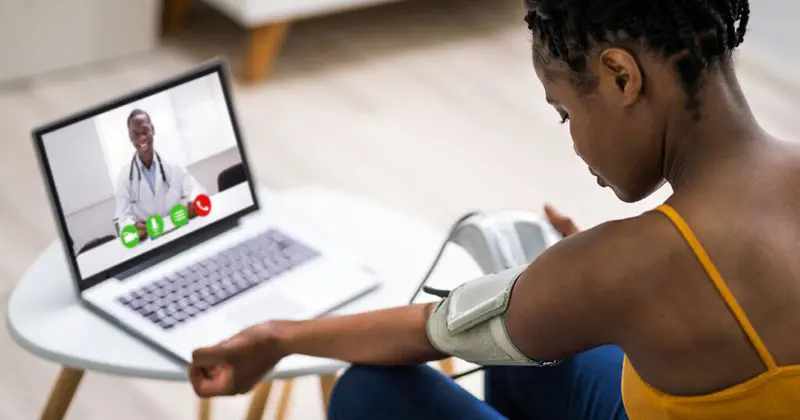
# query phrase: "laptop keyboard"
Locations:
[[180, 296]]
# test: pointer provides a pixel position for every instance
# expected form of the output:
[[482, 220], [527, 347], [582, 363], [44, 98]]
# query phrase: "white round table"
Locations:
[[45, 317]]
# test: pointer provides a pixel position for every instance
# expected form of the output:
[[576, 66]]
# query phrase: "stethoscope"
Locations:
[[139, 176]]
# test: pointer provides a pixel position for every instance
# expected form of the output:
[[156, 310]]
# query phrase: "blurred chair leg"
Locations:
[[204, 409], [62, 393], [286, 399], [258, 403], [326, 384], [174, 14], [447, 366], [265, 44]]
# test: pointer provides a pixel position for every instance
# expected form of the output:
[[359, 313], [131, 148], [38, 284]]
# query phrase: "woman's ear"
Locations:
[[621, 70]]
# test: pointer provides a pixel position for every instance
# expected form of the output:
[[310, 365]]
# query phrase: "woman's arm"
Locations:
[[387, 337], [392, 336], [573, 297]]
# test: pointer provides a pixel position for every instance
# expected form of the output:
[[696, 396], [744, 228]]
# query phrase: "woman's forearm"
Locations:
[[385, 337]]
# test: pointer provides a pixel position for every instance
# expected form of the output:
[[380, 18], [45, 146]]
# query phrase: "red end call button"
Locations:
[[202, 205]]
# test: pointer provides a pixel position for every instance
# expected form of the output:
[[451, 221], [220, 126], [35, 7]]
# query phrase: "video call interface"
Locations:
[[136, 177]]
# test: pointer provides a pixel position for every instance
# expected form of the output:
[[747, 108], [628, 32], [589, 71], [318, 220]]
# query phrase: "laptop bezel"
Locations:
[[178, 245]]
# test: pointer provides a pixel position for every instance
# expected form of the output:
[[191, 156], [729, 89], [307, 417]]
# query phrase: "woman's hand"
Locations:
[[394, 336], [237, 364], [562, 223]]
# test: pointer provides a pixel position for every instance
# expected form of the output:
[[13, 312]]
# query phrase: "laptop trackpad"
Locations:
[[268, 307]]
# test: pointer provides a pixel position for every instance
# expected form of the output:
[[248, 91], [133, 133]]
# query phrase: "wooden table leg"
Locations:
[[286, 399], [259, 401], [174, 14], [447, 366], [204, 409], [62, 393], [265, 43], [326, 384]]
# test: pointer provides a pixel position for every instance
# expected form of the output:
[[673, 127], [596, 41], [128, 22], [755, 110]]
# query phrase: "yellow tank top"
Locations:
[[774, 394]]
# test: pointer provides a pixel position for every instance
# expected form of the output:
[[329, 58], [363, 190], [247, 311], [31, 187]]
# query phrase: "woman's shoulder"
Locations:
[[626, 257], [596, 283], [622, 249], [634, 258]]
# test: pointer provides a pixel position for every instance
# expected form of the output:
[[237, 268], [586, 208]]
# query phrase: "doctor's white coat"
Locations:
[[136, 201]]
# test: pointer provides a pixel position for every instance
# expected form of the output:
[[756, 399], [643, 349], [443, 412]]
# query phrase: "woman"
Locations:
[[701, 294]]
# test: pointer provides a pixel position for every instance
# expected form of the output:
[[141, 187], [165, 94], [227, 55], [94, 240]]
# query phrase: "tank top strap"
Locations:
[[719, 283]]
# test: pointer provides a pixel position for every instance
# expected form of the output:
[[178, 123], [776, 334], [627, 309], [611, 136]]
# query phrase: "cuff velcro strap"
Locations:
[[480, 300], [469, 323]]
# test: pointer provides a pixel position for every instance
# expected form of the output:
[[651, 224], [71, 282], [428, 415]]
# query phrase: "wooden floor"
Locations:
[[429, 107]]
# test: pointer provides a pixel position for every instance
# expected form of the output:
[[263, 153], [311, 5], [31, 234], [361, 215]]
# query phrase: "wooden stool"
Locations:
[[258, 402], [264, 42]]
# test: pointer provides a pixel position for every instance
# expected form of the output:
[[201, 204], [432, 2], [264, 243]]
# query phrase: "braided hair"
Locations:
[[697, 34]]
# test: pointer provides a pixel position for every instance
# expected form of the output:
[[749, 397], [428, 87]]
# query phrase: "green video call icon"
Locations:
[[155, 226], [129, 236], [179, 215]]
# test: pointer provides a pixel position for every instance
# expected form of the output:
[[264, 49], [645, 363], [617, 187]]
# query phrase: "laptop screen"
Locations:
[[132, 178]]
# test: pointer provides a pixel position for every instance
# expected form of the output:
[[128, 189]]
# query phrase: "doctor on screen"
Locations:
[[149, 184]]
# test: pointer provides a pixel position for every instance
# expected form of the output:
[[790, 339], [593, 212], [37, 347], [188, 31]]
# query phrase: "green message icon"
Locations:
[[155, 226], [179, 215], [129, 236]]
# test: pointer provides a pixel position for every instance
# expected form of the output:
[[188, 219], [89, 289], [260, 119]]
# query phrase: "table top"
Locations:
[[45, 317]]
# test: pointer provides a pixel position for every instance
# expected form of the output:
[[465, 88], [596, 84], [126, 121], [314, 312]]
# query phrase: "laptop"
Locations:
[[162, 224]]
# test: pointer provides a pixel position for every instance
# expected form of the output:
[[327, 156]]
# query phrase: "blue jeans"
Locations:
[[584, 387]]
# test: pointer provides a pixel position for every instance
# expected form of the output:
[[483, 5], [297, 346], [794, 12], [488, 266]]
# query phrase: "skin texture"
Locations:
[[141, 132], [631, 282], [660, 306]]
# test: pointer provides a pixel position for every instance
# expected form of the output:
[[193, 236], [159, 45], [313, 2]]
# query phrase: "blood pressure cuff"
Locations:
[[470, 322]]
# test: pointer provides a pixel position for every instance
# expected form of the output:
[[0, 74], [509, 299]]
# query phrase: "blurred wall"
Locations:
[[40, 36], [771, 33]]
